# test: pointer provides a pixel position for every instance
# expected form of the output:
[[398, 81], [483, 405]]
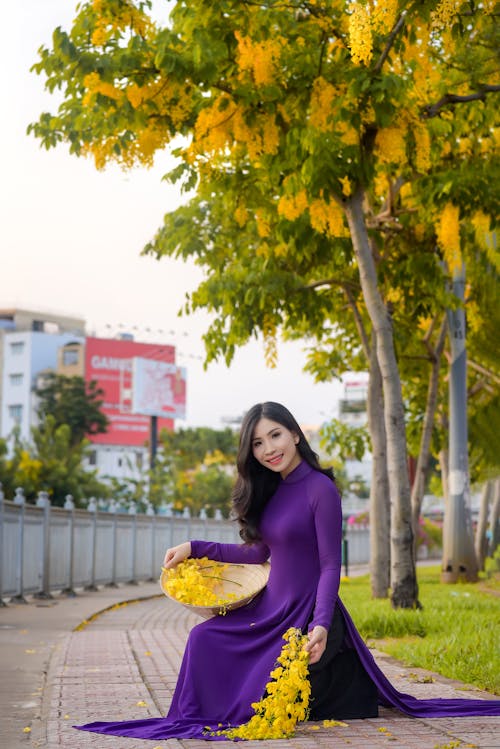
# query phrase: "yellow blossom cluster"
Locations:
[[263, 224], [149, 140], [391, 145], [258, 59], [96, 85], [346, 186], [198, 582], [323, 97], [286, 697], [241, 215], [327, 218], [444, 13], [113, 16], [381, 185], [422, 147], [360, 35], [293, 206], [212, 129], [448, 236], [168, 96], [223, 123], [270, 342], [262, 137], [383, 15], [142, 149], [150, 136]]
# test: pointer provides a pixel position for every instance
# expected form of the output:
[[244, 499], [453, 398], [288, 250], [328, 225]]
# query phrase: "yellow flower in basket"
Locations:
[[208, 587]]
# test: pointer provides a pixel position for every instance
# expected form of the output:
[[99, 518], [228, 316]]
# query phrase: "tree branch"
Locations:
[[390, 41], [331, 282], [484, 371], [431, 110], [359, 323]]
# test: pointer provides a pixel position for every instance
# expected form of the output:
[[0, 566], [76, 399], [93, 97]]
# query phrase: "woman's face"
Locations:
[[275, 447]]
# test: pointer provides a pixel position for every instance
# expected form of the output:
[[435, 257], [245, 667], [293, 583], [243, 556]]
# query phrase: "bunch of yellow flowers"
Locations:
[[198, 582], [286, 698]]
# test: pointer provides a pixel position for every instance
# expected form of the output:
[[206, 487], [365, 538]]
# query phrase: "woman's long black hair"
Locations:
[[256, 484]]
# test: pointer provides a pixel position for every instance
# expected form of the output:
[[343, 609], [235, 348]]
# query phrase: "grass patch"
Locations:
[[455, 634]]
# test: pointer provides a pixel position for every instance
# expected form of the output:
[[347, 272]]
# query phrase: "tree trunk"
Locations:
[[459, 559], [480, 541], [380, 558], [403, 574], [444, 459], [422, 470], [495, 520]]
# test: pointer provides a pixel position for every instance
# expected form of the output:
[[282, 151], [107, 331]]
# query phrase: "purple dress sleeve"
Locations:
[[232, 553], [325, 504]]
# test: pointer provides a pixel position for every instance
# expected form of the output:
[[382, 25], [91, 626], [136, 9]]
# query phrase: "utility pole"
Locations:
[[459, 558]]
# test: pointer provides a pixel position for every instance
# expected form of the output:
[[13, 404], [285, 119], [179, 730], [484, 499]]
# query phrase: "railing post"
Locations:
[[133, 511], [345, 551], [20, 500], [2, 602], [92, 507], [44, 501], [69, 505], [150, 511], [113, 508]]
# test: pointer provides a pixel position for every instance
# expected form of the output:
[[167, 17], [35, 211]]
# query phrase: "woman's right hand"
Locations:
[[176, 554]]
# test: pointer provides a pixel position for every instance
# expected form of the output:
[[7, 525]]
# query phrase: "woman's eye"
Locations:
[[277, 434]]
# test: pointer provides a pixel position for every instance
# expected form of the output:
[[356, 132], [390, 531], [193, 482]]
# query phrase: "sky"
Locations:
[[71, 240]]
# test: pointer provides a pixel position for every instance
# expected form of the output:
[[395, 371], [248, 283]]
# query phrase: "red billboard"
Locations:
[[109, 362]]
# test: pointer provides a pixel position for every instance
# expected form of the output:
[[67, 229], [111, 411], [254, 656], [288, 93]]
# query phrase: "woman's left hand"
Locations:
[[317, 643]]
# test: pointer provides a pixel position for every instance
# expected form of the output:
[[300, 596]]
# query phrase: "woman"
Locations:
[[289, 509]]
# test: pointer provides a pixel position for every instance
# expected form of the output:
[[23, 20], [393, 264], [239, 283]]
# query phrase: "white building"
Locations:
[[29, 344]]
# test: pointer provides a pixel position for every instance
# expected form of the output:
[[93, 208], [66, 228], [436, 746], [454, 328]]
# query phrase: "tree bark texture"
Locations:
[[404, 589], [480, 541], [380, 548], [444, 458], [422, 469], [459, 558], [495, 520]]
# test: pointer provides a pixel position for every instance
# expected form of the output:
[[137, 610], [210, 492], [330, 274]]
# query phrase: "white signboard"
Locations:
[[158, 389]]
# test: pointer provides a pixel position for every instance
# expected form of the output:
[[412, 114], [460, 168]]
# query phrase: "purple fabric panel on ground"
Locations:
[[228, 659]]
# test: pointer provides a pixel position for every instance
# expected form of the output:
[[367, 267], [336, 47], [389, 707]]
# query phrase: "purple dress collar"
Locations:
[[298, 473]]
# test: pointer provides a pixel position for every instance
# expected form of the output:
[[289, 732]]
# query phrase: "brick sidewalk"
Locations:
[[124, 665]]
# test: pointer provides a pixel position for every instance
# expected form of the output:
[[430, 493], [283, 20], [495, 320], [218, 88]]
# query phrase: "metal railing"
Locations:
[[45, 548]]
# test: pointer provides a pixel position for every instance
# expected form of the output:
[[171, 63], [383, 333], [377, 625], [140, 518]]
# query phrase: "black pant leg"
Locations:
[[340, 686]]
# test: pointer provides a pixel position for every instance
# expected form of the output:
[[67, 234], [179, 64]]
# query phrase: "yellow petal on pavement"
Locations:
[[66, 717], [148, 652], [27, 729], [30, 651], [141, 703]]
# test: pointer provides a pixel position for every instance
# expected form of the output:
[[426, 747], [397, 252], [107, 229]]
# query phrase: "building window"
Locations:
[[70, 357], [93, 458], [16, 379], [17, 348], [16, 412]]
